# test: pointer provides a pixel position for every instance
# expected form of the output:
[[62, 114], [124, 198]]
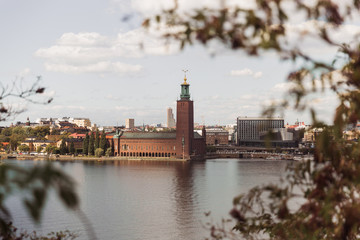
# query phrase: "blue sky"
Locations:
[[91, 64]]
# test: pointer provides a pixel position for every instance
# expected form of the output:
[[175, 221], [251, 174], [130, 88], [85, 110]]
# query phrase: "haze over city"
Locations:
[[91, 63]]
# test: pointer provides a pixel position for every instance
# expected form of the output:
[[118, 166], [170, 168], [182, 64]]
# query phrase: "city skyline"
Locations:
[[93, 66]]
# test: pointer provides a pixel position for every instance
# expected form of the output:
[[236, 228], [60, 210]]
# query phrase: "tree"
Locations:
[[63, 148], [103, 142], [91, 145], [15, 140], [328, 188], [108, 152], [72, 148], [39, 149], [50, 149], [97, 139], [39, 131], [7, 131], [99, 152], [24, 148], [86, 145], [112, 147]]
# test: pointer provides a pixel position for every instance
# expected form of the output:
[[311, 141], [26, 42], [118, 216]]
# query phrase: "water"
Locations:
[[150, 200]]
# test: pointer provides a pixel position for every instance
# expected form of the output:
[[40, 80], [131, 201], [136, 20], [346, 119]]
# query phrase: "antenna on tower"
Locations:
[[185, 83], [185, 72]]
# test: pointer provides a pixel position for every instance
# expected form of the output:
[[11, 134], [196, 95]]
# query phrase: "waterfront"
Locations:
[[151, 200]]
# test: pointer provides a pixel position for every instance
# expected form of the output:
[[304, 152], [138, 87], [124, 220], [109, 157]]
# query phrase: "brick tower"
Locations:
[[184, 123]]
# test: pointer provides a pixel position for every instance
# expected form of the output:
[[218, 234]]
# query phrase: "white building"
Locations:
[[130, 123], [82, 122]]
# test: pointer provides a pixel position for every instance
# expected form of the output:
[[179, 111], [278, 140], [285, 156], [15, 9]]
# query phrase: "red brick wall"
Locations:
[[144, 147], [199, 146], [216, 139]]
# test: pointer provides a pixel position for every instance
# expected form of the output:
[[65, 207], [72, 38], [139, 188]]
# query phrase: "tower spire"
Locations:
[[185, 83]]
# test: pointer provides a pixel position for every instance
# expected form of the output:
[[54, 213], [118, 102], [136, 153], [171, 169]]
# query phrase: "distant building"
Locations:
[[78, 143], [34, 144], [82, 122], [130, 123], [253, 131], [170, 118], [217, 136]]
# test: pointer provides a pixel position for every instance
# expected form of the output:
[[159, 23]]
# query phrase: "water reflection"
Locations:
[[153, 200]]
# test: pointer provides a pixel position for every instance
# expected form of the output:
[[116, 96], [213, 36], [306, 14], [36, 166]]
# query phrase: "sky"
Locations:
[[89, 58]]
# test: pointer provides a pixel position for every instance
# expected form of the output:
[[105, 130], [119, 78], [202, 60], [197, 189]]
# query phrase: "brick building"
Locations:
[[217, 136], [184, 143]]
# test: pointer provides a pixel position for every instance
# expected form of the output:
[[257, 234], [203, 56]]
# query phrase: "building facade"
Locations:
[[217, 136], [251, 130], [82, 122], [182, 144]]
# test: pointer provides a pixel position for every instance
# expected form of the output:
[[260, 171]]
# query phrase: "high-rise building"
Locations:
[[130, 123], [170, 118]]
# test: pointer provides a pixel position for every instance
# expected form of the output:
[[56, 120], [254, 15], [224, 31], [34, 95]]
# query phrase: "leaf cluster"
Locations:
[[33, 185]]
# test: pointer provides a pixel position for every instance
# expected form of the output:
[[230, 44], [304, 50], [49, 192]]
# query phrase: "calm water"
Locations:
[[150, 200]]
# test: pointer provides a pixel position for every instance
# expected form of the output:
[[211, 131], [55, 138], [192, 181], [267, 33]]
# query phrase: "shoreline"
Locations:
[[83, 158], [135, 159]]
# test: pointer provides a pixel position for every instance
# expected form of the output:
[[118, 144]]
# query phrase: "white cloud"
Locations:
[[24, 73], [93, 52], [245, 72], [258, 75], [99, 67], [57, 107], [242, 72]]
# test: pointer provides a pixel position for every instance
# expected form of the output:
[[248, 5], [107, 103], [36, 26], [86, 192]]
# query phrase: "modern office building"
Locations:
[[253, 131]]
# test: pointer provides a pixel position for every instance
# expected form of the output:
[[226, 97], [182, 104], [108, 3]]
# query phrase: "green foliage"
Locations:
[[108, 152], [39, 149], [40, 131], [15, 140], [72, 148], [86, 145], [99, 152], [6, 132], [63, 148], [210, 149], [327, 189], [91, 145], [97, 139], [24, 148], [112, 147], [18, 130], [50, 149], [103, 141]]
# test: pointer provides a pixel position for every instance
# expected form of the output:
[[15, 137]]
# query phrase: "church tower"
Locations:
[[184, 123]]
